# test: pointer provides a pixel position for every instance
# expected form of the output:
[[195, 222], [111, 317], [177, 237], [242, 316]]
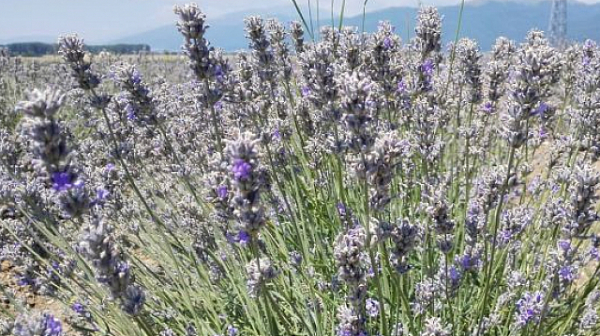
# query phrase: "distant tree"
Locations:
[[31, 49], [41, 49]]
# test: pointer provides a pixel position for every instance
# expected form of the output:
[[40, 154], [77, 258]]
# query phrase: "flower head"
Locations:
[[241, 169], [62, 181]]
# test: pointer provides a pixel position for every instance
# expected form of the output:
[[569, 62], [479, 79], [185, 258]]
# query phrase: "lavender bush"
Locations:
[[353, 185]]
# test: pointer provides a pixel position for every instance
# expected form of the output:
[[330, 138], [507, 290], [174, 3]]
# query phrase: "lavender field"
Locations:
[[345, 184]]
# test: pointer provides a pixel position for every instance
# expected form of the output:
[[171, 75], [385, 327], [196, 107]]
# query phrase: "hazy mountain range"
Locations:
[[482, 20]]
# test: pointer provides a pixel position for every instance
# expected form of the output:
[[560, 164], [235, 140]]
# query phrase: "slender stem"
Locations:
[[383, 321], [497, 216], [213, 118], [263, 291], [179, 163]]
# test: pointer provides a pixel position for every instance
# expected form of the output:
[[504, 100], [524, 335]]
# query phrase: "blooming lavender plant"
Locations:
[[248, 182], [52, 158], [350, 185], [111, 268], [71, 48]]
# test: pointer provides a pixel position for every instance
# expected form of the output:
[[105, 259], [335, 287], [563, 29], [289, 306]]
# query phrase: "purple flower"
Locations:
[[488, 107], [454, 275], [543, 133], [567, 274], [564, 245], [241, 170], [426, 74], [371, 103], [504, 237], [469, 261], [130, 110], [295, 258], [231, 330], [589, 44], [305, 91], [62, 181], [24, 281], [52, 326], [387, 42], [219, 73], [78, 308], [372, 307], [401, 86], [529, 308], [243, 237], [110, 167], [101, 196], [136, 77], [427, 67], [341, 208], [277, 134], [112, 75], [123, 268], [594, 253], [540, 110], [222, 192], [223, 256]]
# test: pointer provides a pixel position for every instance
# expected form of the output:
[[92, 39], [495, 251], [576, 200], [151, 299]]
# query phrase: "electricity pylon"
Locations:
[[558, 23]]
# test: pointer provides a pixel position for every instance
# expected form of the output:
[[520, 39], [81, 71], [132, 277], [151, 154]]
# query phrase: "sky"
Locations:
[[103, 20], [99, 21]]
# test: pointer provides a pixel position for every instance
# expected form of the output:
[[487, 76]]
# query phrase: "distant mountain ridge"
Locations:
[[226, 32], [483, 21]]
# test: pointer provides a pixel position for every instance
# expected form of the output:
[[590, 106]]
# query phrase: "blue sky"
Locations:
[[105, 20]]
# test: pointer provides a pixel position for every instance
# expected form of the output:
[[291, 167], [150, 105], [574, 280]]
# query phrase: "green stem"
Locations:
[[383, 321], [497, 216]]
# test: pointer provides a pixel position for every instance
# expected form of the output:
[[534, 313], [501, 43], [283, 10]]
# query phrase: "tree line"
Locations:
[[41, 49]]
